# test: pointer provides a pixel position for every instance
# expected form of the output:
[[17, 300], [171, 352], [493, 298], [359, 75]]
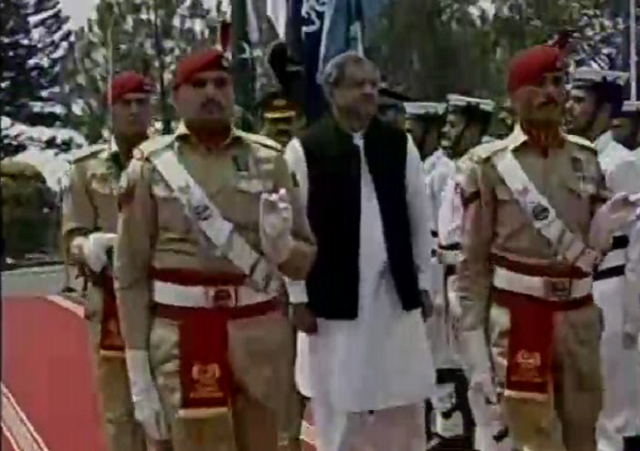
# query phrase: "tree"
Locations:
[[139, 35], [52, 37], [18, 55]]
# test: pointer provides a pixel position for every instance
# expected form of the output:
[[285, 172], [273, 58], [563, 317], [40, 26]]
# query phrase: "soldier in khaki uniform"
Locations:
[[208, 349], [281, 120], [90, 212], [531, 202]]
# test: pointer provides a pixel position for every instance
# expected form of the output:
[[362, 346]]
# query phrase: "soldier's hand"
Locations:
[[427, 305], [303, 319]]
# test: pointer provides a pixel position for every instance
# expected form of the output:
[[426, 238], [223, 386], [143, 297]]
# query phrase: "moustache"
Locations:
[[211, 105], [550, 101]]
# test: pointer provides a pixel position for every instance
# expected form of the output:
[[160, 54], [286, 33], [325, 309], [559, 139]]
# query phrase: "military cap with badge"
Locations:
[[462, 113], [391, 107]]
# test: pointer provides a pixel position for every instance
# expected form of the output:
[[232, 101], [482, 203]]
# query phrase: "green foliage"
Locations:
[[27, 207], [148, 36], [431, 48]]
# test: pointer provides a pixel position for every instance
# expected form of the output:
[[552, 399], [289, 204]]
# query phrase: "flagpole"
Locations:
[[633, 50]]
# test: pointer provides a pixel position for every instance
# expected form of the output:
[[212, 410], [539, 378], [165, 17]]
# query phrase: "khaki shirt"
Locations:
[[494, 223], [90, 193], [154, 230]]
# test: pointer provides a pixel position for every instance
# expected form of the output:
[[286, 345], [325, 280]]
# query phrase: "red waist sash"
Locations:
[[531, 333], [206, 378]]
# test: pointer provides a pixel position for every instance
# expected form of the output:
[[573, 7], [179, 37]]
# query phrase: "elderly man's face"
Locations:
[[207, 99], [541, 103], [357, 94], [131, 115]]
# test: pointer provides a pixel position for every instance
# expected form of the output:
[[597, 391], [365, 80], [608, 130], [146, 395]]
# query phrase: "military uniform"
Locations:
[[160, 248], [454, 418], [612, 291], [90, 204], [511, 278], [281, 120]]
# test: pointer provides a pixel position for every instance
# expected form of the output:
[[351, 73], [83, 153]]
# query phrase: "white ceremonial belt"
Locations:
[[206, 297], [548, 288], [449, 257]]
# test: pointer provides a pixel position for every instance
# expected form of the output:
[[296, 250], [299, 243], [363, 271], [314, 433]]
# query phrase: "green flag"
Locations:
[[242, 51]]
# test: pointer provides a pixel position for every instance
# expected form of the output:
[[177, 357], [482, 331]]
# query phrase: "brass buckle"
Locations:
[[558, 289], [222, 296]]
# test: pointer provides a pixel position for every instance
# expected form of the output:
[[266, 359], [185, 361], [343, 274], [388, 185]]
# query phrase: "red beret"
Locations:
[[129, 82], [202, 61], [528, 67]]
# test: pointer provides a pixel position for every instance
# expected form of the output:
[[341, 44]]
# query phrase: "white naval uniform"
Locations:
[[368, 378], [433, 161], [618, 297], [449, 237]]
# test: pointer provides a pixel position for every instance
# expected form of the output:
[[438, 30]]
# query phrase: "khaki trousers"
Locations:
[[567, 421], [261, 355], [122, 431]]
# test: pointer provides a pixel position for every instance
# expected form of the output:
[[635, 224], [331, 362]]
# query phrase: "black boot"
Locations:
[[632, 443]]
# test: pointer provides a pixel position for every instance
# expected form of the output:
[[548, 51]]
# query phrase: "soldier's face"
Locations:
[[207, 99], [580, 111], [280, 130], [357, 94], [132, 115], [626, 131], [453, 129], [543, 102]]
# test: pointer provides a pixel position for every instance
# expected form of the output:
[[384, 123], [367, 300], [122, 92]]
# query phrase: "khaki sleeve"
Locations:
[[602, 192], [137, 231], [303, 254], [478, 225], [78, 211]]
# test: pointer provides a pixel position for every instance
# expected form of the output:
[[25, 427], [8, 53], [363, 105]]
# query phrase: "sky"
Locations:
[[77, 10]]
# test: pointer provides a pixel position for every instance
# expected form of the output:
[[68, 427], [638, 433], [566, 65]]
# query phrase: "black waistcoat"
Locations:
[[333, 208]]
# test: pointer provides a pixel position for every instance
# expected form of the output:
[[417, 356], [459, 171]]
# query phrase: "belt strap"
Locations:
[[546, 288], [542, 214], [609, 273], [178, 313]]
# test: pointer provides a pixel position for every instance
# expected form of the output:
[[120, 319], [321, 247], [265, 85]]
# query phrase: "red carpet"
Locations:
[[48, 397], [46, 367]]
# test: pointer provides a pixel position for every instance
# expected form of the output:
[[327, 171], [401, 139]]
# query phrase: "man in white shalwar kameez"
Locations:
[[596, 99], [363, 355]]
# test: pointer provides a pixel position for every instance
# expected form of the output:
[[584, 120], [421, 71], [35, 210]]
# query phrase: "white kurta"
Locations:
[[618, 297], [382, 359]]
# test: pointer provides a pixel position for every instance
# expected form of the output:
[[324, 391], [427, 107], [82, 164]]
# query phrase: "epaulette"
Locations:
[[153, 144], [486, 150], [260, 140], [579, 140], [86, 152]]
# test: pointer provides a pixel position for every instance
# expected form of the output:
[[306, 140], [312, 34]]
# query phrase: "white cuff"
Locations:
[[297, 290], [139, 371], [475, 353], [425, 279]]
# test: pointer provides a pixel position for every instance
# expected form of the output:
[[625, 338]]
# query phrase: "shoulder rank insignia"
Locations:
[[153, 144], [582, 142], [260, 140], [86, 152]]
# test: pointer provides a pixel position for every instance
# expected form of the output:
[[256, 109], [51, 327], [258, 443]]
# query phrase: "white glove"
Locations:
[[276, 223], [146, 401], [619, 211], [93, 249]]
